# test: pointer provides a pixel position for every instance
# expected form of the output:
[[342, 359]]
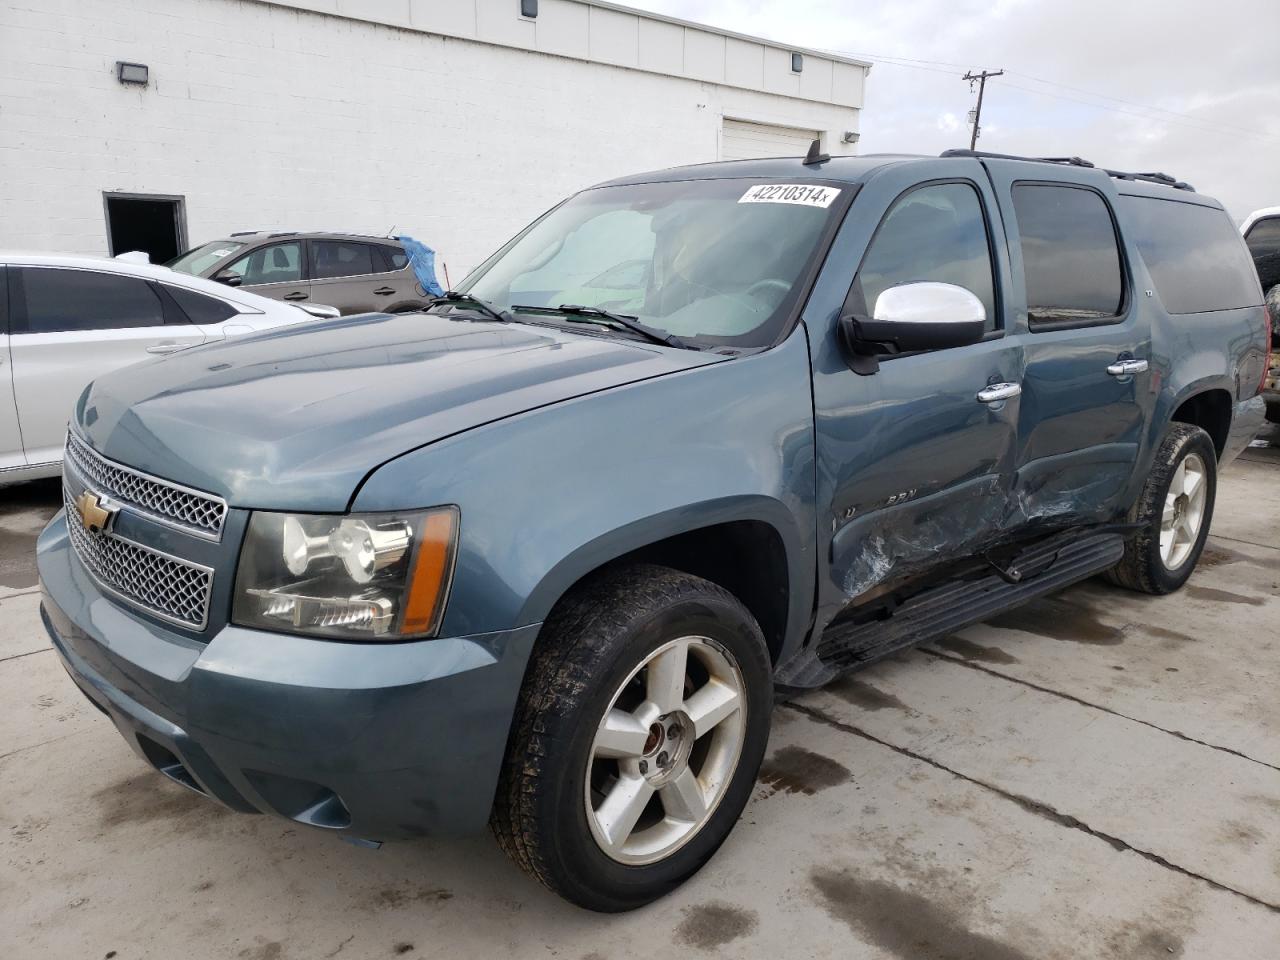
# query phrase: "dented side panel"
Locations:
[[897, 542], [913, 469], [1081, 429], [913, 474]]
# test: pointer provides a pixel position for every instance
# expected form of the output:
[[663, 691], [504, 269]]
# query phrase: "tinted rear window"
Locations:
[[198, 307], [1195, 255], [395, 257], [1264, 245], [1070, 257], [340, 258]]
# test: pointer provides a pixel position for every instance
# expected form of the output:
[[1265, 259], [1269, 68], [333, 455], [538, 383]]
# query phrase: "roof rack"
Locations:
[[1161, 178], [270, 234]]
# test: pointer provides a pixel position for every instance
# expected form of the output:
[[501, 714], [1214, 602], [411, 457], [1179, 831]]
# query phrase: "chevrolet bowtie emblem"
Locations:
[[93, 514]]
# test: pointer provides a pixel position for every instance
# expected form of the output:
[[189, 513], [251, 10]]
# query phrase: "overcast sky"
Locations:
[[1201, 78]]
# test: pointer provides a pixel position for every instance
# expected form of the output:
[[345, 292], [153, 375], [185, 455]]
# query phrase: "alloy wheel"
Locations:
[[665, 750], [1183, 514]]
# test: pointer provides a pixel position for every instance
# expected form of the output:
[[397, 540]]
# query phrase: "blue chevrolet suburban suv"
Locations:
[[541, 556]]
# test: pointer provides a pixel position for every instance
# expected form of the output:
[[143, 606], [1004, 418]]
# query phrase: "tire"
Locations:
[[591, 656], [1145, 566]]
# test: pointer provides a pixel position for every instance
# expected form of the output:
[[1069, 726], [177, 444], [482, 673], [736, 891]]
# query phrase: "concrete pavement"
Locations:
[[1095, 775]]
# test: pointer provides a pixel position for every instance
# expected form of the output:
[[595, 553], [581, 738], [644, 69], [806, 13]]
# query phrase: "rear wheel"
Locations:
[[637, 741], [1175, 509]]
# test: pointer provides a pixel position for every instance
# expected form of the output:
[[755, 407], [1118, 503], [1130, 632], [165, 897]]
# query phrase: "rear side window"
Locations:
[[198, 307], [1070, 255], [395, 258], [934, 233], [1264, 246], [51, 300], [341, 258], [1195, 255]]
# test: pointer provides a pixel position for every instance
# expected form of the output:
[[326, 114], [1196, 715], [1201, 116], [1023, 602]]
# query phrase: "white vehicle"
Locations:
[[66, 320]]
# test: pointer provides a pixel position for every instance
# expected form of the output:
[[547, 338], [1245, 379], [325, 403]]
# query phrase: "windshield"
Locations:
[[197, 261], [717, 261]]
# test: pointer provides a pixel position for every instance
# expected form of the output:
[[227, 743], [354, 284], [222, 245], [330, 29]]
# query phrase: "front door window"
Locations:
[[277, 263], [936, 233]]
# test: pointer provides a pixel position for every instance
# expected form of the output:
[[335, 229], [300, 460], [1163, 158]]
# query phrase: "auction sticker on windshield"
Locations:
[[801, 193]]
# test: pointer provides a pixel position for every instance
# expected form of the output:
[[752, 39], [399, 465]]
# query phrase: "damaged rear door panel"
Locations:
[[1087, 387], [916, 465]]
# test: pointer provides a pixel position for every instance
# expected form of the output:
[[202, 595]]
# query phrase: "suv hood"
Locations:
[[295, 418]]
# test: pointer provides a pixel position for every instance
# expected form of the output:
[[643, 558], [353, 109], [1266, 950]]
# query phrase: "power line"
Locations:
[[1131, 103], [882, 57], [1204, 126], [894, 61], [1170, 116]]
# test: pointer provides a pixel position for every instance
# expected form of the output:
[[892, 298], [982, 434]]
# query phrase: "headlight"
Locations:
[[373, 576]]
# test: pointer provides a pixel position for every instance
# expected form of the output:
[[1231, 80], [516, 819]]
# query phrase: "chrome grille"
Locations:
[[199, 513], [172, 589]]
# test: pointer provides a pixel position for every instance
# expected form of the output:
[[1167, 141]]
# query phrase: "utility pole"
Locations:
[[982, 87]]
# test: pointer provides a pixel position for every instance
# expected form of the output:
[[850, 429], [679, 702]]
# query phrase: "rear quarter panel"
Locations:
[[1194, 353]]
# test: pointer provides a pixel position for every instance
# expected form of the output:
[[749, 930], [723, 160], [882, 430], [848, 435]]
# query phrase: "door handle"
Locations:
[[999, 391], [167, 347], [1127, 368], [385, 291], [295, 296]]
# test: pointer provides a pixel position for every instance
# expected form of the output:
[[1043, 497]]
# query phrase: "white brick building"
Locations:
[[454, 120]]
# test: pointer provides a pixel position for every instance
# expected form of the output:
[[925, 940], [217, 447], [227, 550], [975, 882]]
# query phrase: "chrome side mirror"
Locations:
[[911, 317]]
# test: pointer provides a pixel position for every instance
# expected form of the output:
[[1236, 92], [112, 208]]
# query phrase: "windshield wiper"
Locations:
[[483, 306], [596, 315]]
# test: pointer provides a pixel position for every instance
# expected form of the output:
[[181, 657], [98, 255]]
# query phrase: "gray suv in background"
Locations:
[[356, 274]]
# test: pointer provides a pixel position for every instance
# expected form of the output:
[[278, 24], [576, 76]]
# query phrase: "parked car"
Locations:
[[67, 320], [356, 274], [1262, 233], [535, 562]]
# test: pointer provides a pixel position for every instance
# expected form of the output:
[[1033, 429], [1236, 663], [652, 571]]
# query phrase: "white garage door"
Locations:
[[740, 140]]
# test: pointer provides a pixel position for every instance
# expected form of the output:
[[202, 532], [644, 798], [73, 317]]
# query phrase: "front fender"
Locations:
[[549, 495], [686, 519]]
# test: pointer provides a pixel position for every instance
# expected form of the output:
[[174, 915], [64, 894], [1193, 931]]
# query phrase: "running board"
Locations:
[[1057, 561]]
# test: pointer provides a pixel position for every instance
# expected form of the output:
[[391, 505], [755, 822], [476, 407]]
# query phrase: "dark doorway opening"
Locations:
[[156, 225]]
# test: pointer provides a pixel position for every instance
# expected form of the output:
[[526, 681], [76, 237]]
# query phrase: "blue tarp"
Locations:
[[423, 260]]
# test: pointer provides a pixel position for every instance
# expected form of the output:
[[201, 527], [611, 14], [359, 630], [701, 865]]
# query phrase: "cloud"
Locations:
[[948, 123], [1195, 90]]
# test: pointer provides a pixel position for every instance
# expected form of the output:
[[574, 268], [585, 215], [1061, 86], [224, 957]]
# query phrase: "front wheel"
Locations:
[[1175, 509], [640, 731]]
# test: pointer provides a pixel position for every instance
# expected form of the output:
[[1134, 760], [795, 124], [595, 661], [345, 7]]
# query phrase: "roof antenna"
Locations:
[[815, 155]]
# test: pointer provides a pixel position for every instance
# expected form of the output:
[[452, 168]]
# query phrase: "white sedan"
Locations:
[[66, 320]]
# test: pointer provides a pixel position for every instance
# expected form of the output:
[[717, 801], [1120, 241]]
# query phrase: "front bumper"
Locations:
[[375, 740]]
